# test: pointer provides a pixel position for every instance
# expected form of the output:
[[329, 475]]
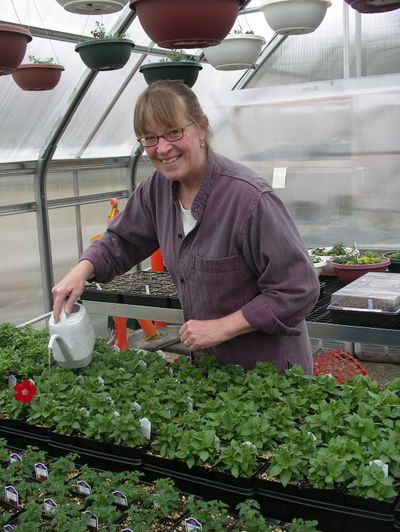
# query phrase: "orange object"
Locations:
[[112, 213], [157, 261], [148, 328], [121, 338], [157, 265]]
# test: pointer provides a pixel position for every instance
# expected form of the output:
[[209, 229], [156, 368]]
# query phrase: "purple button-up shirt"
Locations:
[[244, 253]]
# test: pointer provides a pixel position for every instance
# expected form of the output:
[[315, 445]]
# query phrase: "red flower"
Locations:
[[25, 391]]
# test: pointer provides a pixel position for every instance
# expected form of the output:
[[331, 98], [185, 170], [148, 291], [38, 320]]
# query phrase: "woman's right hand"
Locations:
[[67, 291]]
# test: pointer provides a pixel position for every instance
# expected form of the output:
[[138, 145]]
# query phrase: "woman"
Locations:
[[243, 274]]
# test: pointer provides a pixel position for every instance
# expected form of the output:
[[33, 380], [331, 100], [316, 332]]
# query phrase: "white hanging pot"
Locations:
[[94, 7], [235, 52], [294, 17]]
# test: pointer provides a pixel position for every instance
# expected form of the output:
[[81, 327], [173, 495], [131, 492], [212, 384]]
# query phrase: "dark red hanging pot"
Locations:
[[13, 42], [183, 24], [37, 77], [374, 6]]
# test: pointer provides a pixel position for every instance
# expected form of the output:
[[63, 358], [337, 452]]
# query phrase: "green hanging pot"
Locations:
[[105, 54], [187, 71]]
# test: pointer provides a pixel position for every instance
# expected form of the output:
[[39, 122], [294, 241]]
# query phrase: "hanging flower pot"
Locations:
[[37, 76], [93, 7], [177, 65], [374, 6], [187, 71], [106, 51], [13, 42], [235, 52], [184, 24], [294, 17]]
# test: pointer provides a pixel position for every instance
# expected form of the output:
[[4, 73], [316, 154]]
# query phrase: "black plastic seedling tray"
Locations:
[[91, 293], [366, 319], [330, 517]]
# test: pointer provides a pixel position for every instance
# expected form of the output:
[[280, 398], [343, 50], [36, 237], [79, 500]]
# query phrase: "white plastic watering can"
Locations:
[[72, 338]]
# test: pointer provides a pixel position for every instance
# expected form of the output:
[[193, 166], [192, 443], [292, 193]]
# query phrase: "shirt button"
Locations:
[[180, 236]]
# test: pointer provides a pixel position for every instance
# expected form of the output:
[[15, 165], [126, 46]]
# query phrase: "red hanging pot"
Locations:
[[13, 42], [374, 6], [37, 77], [184, 24]]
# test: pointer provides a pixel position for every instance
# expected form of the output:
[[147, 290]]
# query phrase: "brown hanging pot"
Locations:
[[13, 42], [37, 76], [374, 6], [183, 24]]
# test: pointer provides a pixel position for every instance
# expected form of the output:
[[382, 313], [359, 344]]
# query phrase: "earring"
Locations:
[[202, 144]]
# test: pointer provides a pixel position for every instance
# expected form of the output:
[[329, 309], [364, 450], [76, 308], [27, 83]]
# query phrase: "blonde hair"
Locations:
[[159, 103]]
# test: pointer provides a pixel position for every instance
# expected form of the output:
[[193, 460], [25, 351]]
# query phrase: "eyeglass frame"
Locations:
[[158, 137]]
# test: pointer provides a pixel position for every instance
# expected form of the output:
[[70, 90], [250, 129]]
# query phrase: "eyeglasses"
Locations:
[[173, 135]]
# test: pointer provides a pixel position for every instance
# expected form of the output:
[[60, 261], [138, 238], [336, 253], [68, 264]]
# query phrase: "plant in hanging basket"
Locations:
[[374, 6], [177, 65], [38, 74], [13, 42], [106, 51], [183, 24], [236, 52], [294, 17]]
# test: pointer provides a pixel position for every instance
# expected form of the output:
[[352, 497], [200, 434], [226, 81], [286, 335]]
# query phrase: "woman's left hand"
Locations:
[[201, 334], [197, 335]]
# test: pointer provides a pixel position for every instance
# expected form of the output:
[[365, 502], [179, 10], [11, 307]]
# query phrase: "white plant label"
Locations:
[[83, 487], [15, 457], [41, 472], [120, 498], [136, 406], [146, 427], [192, 525], [49, 507], [190, 404], [11, 495], [12, 381], [382, 465]]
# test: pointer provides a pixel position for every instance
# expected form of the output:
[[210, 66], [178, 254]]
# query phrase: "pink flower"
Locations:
[[24, 391]]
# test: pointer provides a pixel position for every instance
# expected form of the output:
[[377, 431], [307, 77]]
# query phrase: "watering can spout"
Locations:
[[72, 338]]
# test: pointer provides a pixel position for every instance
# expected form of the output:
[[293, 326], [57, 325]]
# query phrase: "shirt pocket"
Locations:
[[219, 286]]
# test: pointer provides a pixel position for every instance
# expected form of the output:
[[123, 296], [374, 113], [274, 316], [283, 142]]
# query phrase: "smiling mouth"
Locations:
[[170, 160]]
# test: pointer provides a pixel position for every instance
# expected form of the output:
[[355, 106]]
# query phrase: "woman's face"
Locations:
[[182, 160]]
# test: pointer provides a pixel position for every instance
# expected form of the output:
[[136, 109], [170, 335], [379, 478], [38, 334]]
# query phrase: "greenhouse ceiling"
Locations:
[[93, 110]]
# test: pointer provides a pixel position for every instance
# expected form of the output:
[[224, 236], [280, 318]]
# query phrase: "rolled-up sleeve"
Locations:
[[287, 281]]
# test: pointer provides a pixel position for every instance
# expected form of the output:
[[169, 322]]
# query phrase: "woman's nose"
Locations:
[[163, 145]]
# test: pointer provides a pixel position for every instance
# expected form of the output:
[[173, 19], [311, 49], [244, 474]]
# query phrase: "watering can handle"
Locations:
[[63, 314]]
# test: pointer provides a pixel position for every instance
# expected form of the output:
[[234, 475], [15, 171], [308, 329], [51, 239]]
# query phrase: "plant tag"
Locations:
[[161, 353], [41, 472], [12, 381], [126, 530], [249, 444], [15, 457], [8, 528], [11, 495], [100, 380], [190, 404], [136, 406], [142, 363], [93, 522], [120, 498], [216, 441], [313, 436], [382, 465], [83, 488], [191, 524], [49, 507], [146, 427]]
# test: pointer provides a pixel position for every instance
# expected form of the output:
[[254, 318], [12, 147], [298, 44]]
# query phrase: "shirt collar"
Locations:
[[210, 175]]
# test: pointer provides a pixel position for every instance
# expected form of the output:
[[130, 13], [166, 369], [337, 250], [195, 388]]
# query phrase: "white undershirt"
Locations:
[[188, 220]]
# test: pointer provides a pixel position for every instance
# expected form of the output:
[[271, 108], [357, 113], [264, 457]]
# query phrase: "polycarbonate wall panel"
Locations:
[[21, 297], [28, 117], [342, 175], [16, 189]]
